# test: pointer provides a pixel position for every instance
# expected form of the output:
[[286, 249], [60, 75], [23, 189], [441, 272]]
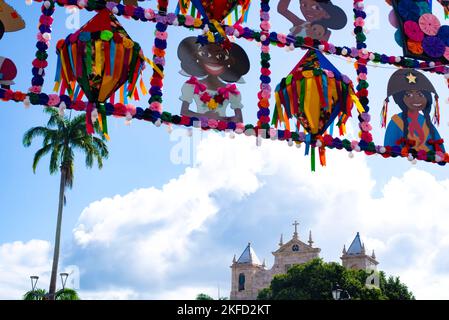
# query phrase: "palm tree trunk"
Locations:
[[54, 269]]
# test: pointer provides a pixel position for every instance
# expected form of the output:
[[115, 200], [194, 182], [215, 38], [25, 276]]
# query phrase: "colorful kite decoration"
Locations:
[[10, 20], [216, 10], [316, 94], [101, 58]]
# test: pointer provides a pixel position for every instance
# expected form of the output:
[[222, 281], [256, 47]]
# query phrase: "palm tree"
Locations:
[[41, 294], [61, 137], [37, 294], [67, 294]]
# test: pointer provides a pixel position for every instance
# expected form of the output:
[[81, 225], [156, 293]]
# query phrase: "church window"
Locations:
[[241, 282], [295, 248]]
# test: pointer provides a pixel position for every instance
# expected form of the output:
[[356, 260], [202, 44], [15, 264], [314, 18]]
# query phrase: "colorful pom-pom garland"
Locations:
[[423, 36], [156, 115]]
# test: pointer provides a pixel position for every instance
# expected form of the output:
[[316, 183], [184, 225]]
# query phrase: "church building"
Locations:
[[249, 275]]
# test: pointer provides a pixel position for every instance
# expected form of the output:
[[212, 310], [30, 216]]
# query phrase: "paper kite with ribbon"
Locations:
[[216, 10], [315, 94], [97, 60]]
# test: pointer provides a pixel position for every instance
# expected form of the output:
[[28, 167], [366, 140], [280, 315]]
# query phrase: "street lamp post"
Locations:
[[336, 292], [340, 294], [64, 276], [33, 282]]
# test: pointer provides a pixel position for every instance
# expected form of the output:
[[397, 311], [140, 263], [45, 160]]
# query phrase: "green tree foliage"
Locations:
[[203, 296], [38, 294], [314, 281], [41, 294]]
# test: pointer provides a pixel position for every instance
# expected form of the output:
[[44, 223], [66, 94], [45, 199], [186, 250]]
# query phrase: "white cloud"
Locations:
[[185, 293], [178, 241], [109, 294], [19, 261]]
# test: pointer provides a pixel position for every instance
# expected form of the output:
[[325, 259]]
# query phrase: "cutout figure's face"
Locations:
[[316, 31], [312, 11], [415, 100], [213, 59]]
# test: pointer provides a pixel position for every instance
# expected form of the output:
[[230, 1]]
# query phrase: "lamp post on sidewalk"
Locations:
[[339, 293]]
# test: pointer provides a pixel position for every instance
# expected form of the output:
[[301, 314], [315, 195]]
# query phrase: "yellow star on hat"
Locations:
[[411, 78]]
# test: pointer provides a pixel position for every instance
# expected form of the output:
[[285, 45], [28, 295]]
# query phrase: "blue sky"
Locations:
[[145, 227]]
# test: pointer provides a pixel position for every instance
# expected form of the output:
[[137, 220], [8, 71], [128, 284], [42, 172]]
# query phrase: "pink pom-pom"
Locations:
[[53, 100], [265, 25], [156, 106], [189, 21], [359, 22]]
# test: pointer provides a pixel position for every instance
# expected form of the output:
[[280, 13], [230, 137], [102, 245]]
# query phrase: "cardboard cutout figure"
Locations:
[[8, 72], [319, 15], [214, 72], [10, 20], [412, 92]]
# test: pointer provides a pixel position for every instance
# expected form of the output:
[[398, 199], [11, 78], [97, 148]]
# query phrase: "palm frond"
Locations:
[[68, 163], [101, 146], [61, 137], [37, 294], [55, 158], [35, 132], [55, 119], [67, 294], [39, 154]]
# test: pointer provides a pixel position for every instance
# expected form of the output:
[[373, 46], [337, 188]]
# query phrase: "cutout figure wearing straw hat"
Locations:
[[412, 92]]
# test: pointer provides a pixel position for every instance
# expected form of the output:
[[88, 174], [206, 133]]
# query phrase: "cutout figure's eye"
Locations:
[[222, 56], [201, 53]]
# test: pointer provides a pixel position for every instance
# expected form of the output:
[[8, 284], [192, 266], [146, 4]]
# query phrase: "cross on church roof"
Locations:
[[296, 224]]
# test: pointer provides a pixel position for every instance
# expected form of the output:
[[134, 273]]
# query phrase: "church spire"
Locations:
[[281, 242], [344, 249], [310, 238], [373, 255], [234, 260], [295, 235]]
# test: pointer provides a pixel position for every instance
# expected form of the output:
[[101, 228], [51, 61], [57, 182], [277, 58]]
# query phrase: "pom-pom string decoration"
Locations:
[[35, 97], [160, 44], [265, 88], [362, 71]]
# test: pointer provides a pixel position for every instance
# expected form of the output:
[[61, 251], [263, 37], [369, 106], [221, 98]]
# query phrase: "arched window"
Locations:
[[241, 282]]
